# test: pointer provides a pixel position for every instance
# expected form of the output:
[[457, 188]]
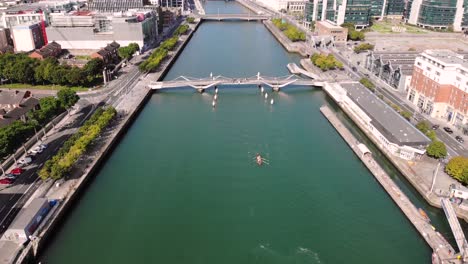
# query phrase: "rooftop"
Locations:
[[13, 97], [390, 123], [329, 25], [447, 57]]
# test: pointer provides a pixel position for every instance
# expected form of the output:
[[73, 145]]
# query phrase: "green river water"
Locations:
[[182, 186]]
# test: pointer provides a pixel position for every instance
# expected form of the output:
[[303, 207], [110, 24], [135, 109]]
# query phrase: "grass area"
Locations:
[[41, 87], [83, 57], [386, 27]]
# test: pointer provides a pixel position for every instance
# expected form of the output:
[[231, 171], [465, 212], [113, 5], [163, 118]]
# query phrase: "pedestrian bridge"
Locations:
[[242, 17], [200, 84]]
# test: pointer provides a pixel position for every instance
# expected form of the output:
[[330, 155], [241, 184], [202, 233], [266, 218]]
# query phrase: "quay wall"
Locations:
[[290, 46], [433, 238], [35, 247], [413, 178]]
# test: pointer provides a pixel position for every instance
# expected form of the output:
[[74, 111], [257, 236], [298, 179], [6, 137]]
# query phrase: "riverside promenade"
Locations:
[[444, 252]]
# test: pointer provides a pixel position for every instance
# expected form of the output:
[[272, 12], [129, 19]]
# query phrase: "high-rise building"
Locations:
[[439, 86]]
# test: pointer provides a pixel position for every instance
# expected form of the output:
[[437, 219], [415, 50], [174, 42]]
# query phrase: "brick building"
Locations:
[[325, 28], [52, 49], [108, 54], [439, 86]]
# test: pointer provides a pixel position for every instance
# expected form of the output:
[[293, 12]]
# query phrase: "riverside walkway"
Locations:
[[443, 251], [200, 84]]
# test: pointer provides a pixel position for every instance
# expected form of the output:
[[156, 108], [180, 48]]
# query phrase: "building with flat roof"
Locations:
[[325, 28], [394, 133], [395, 68], [439, 86], [29, 36], [114, 5], [27, 221], [93, 30]]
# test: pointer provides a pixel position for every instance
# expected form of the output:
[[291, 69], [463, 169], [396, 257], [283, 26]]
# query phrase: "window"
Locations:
[[437, 73], [428, 68], [458, 78]]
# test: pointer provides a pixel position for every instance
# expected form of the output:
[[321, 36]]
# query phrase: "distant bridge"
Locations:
[[242, 17], [200, 84]]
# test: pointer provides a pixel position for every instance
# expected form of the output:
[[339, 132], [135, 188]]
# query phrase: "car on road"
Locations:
[[6, 181], [25, 161], [435, 127], [448, 130], [37, 149], [43, 146], [354, 69], [459, 139], [17, 171]]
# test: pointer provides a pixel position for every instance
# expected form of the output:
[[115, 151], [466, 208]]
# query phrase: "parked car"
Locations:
[[43, 146], [25, 161], [459, 139], [6, 181], [17, 171], [435, 127], [10, 176], [37, 149], [448, 130]]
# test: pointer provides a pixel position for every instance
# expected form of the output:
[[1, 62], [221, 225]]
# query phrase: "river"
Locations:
[[182, 185]]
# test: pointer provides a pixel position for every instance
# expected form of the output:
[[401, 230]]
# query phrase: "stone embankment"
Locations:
[[298, 47], [128, 109], [442, 249]]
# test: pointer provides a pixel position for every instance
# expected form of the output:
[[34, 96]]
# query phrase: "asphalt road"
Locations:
[[13, 197]]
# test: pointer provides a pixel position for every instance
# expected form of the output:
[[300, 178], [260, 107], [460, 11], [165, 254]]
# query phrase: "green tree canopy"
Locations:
[[437, 150], [423, 126], [67, 97], [367, 83], [457, 168]]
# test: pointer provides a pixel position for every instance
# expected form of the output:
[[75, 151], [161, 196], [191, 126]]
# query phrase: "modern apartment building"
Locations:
[[358, 12], [439, 86], [438, 14]]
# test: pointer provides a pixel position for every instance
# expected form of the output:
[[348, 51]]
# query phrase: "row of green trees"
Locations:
[[162, 51], [128, 51], [353, 34], [15, 134], [437, 148], [182, 29], [325, 62], [290, 31], [363, 47], [76, 145], [457, 167], [20, 68]]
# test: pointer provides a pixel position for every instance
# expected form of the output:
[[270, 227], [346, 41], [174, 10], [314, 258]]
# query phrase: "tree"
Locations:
[[457, 168], [437, 149], [93, 69], [190, 20], [407, 115], [423, 126], [367, 83], [363, 47], [431, 134], [67, 97]]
